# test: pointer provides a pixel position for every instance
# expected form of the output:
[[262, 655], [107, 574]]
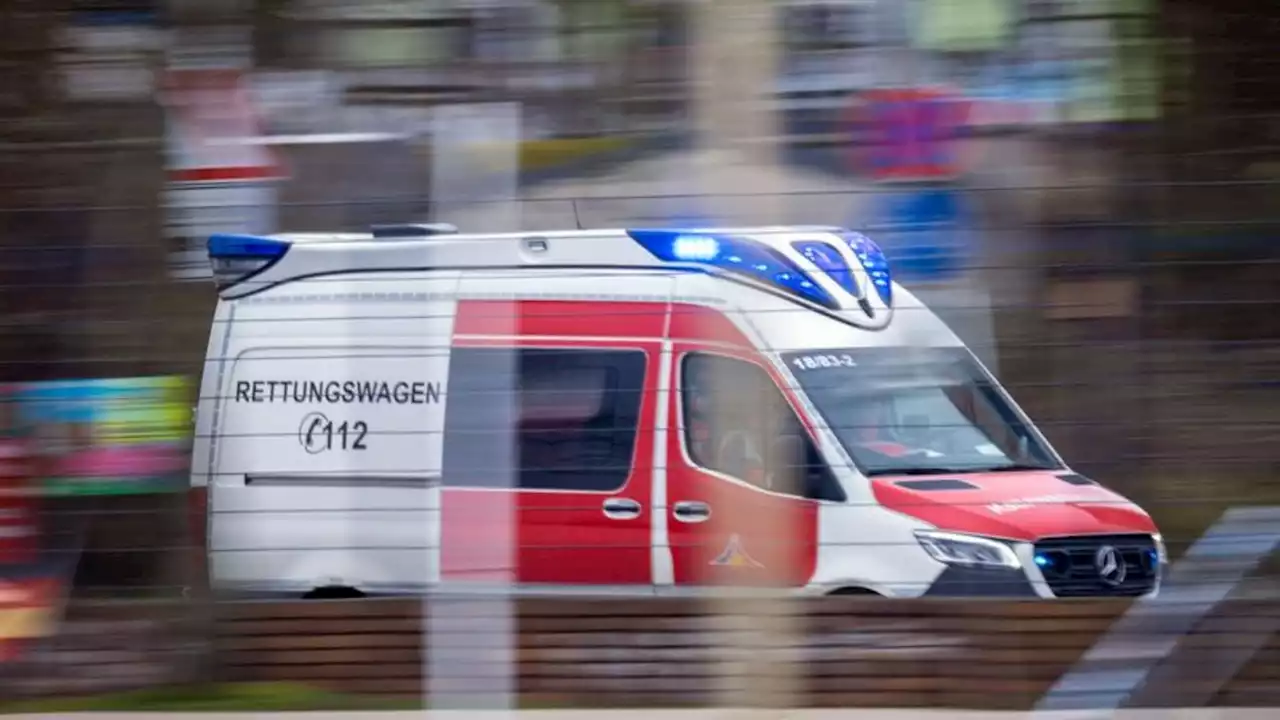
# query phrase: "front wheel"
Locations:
[[855, 591]]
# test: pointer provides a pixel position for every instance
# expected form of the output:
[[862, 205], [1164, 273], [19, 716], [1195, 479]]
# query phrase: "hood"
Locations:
[[1012, 505]]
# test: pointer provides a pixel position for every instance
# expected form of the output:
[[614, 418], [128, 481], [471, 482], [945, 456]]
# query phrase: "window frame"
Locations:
[[812, 449], [522, 471]]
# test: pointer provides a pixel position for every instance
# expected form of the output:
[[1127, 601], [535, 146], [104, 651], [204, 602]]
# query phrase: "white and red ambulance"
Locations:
[[619, 405]]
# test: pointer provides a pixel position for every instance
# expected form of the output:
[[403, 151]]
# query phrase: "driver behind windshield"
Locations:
[[874, 426]]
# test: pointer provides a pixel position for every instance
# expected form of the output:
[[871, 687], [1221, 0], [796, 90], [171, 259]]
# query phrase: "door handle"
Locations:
[[621, 509], [691, 511]]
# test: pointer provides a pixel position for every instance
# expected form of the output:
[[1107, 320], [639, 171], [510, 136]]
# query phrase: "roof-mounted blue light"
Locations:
[[874, 262], [236, 258], [830, 261], [695, 248], [246, 246], [736, 255]]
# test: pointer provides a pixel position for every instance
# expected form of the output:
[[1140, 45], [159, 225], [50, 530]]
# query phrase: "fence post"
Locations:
[[734, 66], [470, 643]]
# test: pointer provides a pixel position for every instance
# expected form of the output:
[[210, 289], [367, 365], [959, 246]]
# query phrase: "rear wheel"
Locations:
[[335, 592]]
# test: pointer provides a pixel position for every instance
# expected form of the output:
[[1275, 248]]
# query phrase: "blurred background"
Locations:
[[1086, 189]]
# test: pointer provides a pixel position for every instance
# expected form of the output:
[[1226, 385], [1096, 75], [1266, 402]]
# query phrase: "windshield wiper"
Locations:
[[916, 470], [924, 470]]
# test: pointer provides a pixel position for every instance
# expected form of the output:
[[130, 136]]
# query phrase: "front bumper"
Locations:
[[1023, 582], [969, 582]]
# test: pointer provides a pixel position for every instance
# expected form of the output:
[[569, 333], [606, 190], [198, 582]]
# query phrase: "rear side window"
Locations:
[[567, 418]]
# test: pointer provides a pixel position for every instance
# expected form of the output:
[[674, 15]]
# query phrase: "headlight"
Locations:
[[967, 550], [1162, 554]]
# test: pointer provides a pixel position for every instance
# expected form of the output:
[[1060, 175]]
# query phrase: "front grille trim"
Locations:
[[1074, 574]]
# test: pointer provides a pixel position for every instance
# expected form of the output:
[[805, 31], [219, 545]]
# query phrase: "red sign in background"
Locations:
[[210, 117], [909, 134], [28, 611]]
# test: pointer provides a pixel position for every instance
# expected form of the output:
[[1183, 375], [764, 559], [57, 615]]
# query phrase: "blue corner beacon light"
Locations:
[[736, 255], [236, 258], [874, 262]]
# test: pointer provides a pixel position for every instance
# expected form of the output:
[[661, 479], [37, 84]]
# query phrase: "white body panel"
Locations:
[[287, 514]]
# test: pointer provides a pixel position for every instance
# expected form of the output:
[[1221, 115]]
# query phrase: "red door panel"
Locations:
[[751, 537], [561, 537]]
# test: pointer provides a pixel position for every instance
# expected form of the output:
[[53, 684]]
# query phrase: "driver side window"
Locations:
[[738, 423]]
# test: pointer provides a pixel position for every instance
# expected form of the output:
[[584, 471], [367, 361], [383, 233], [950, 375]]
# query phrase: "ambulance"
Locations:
[[642, 412]]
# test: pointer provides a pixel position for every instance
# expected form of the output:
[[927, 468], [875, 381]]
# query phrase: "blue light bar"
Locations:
[[831, 262], [874, 262], [236, 258], [736, 255], [246, 246]]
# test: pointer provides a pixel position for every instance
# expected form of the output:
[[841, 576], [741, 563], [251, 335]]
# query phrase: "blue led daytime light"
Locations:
[[737, 255], [874, 262], [830, 261]]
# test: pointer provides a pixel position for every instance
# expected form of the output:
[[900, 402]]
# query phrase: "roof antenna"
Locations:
[[576, 220]]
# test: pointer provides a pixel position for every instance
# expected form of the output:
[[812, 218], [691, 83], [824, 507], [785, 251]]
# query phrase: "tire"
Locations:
[[334, 593], [855, 592]]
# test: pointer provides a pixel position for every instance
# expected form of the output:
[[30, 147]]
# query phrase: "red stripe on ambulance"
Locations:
[[563, 537], [555, 318]]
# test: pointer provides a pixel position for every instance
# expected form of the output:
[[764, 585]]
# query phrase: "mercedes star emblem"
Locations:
[[1110, 564]]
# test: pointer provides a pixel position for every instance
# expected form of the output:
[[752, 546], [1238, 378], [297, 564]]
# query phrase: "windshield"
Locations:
[[917, 411]]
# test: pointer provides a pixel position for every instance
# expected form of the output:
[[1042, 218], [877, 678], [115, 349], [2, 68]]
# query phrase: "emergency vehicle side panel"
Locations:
[[208, 405], [327, 451], [572, 528], [858, 543], [748, 535], [699, 323], [862, 544]]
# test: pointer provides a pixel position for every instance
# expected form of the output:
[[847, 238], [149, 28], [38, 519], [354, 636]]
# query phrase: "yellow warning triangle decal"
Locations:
[[734, 555]]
